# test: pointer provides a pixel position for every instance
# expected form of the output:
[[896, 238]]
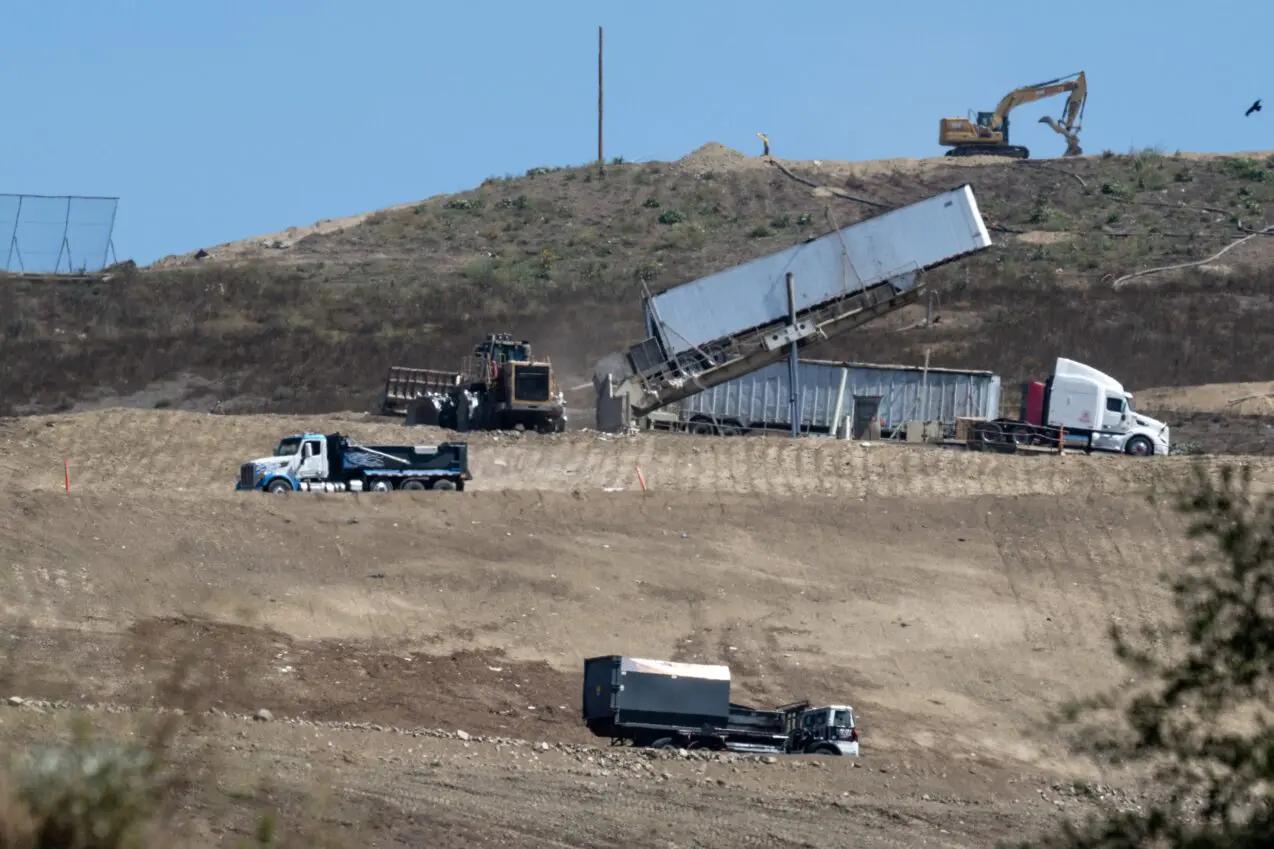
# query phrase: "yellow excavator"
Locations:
[[989, 135]]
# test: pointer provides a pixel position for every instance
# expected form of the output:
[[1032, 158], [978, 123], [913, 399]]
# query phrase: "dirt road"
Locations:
[[954, 599]]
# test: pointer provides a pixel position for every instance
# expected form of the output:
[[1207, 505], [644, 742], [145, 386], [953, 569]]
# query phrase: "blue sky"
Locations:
[[222, 120]]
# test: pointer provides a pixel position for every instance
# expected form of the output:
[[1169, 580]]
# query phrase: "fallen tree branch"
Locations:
[[837, 192], [1249, 398], [1040, 166], [1118, 282]]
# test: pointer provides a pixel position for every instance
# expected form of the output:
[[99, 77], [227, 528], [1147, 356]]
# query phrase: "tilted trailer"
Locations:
[[733, 322]]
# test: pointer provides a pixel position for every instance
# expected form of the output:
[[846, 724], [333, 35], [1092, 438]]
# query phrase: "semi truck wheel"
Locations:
[[825, 750], [444, 486], [664, 743], [414, 486], [279, 485], [1140, 446], [380, 485]]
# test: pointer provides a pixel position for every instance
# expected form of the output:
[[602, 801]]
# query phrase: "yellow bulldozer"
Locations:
[[989, 134], [501, 386]]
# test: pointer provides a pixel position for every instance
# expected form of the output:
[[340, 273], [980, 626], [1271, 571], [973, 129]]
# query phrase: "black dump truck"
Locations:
[[317, 462], [663, 704]]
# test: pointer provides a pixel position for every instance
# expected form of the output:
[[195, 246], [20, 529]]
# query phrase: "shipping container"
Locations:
[[892, 247], [630, 689], [835, 395]]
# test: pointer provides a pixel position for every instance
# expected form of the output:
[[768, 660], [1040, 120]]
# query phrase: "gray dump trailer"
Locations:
[[843, 399], [663, 704]]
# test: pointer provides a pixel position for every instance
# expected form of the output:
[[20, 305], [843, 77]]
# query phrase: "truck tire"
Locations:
[[824, 749], [413, 486], [380, 485], [279, 485], [664, 743], [1022, 435], [1140, 446], [444, 485]]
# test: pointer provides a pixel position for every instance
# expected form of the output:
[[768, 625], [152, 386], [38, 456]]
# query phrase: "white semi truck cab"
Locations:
[[1089, 407]]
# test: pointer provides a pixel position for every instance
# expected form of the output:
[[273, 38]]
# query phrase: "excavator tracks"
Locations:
[[1011, 151]]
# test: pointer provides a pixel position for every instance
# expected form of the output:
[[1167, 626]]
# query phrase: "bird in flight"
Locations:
[[1255, 107]]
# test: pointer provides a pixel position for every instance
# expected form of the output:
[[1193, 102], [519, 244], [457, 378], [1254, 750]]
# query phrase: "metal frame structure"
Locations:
[[13, 248]]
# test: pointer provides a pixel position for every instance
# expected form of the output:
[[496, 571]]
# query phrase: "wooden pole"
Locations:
[[601, 159]]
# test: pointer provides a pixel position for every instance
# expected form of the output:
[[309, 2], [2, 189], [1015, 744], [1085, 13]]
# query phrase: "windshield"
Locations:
[[531, 383], [843, 718], [288, 447], [1131, 408]]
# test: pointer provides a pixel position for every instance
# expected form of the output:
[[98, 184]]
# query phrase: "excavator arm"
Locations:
[[1076, 84], [990, 135]]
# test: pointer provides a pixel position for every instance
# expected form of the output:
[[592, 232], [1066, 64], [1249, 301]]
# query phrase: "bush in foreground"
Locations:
[[1199, 712]]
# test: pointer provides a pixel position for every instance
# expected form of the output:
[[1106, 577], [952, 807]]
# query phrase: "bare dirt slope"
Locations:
[[953, 625], [1233, 399], [953, 599], [343, 787]]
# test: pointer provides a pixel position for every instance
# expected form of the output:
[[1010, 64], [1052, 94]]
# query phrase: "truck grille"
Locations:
[[247, 475]]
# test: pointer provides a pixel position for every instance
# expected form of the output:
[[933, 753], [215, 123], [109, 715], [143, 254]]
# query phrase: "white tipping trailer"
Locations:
[[733, 322]]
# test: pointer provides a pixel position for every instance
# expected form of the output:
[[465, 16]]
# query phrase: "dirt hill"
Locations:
[[308, 320]]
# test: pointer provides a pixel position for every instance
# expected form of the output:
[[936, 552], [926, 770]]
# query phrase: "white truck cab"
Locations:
[[298, 458], [829, 727], [1082, 398]]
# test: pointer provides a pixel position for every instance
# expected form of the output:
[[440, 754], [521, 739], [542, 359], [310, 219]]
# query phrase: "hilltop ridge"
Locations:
[[307, 320]]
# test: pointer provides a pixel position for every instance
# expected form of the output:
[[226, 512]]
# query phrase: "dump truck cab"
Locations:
[[828, 729], [301, 456]]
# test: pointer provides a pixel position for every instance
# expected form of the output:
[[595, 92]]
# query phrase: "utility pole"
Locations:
[[792, 363], [601, 160]]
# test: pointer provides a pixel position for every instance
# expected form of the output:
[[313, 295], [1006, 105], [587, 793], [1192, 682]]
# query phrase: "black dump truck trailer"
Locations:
[[668, 705]]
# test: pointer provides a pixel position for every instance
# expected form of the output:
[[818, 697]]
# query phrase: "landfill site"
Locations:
[[800, 541]]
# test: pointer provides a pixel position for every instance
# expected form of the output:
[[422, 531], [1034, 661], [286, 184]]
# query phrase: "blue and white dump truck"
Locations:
[[662, 704], [316, 462]]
